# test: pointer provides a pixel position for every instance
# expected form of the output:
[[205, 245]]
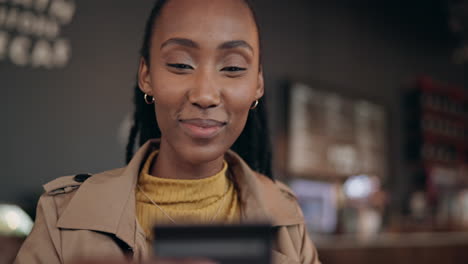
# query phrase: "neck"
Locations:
[[168, 164]]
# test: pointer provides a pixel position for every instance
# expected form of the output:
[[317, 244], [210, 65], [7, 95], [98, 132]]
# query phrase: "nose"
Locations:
[[205, 93]]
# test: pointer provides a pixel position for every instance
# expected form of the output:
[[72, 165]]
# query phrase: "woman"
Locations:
[[200, 82]]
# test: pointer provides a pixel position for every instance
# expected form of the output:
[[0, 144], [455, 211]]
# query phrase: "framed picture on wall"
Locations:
[[333, 136]]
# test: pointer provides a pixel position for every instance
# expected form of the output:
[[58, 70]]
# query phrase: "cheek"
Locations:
[[241, 94], [238, 100], [168, 96], [166, 87]]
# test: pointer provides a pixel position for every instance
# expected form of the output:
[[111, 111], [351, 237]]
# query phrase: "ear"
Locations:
[[260, 85], [144, 79]]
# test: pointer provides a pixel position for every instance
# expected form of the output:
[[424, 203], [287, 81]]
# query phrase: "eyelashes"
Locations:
[[183, 67], [233, 69], [180, 66]]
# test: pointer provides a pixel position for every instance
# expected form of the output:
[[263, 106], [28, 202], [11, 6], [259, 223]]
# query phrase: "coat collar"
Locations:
[[106, 201], [261, 198]]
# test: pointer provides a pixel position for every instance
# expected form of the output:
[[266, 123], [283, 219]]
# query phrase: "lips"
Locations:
[[202, 128]]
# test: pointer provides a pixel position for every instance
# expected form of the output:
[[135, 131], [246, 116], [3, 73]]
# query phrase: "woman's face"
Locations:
[[204, 75]]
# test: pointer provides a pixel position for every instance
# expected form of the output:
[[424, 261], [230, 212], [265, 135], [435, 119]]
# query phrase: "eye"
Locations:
[[180, 66], [233, 69]]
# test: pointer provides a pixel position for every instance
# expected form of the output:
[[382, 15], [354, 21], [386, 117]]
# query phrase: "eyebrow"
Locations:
[[192, 44], [180, 41], [235, 44]]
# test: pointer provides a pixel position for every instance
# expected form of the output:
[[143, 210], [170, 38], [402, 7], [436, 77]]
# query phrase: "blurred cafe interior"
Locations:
[[367, 103]]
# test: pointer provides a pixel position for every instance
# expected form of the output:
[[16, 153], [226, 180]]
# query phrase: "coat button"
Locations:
[[81, 177]]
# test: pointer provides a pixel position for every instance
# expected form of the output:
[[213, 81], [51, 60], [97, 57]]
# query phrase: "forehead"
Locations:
[[207, 22]]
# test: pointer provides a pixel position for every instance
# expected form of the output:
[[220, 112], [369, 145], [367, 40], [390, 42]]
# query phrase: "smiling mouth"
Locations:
[[202, 128]]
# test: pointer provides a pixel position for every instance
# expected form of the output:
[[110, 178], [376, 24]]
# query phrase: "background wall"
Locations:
[[368, 49], [66, 121]]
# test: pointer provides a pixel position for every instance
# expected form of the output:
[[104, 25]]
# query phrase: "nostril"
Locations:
[[204, 106], [204, 96]]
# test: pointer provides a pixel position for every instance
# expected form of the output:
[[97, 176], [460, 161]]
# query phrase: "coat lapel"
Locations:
[[261, 198]]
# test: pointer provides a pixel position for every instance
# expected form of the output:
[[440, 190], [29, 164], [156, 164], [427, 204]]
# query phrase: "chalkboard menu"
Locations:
[[332, 136]]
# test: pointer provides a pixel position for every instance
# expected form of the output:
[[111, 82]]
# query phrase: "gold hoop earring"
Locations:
[[254, 105], [148, 101]]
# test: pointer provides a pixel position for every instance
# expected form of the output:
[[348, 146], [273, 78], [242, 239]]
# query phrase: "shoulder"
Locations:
[[59, 192], [280, 199], [265, 183], [278, 186], [287, 192], [68, 184], [65, 184]]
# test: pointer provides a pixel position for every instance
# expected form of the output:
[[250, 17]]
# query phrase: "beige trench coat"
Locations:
[[96, 217]]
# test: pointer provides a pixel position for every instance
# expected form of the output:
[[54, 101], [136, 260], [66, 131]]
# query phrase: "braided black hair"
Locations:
[[253, 144]]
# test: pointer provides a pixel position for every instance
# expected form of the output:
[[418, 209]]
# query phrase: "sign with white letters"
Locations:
[[30, 32]]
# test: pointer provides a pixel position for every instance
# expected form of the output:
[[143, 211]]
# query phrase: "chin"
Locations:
[[197, 153]]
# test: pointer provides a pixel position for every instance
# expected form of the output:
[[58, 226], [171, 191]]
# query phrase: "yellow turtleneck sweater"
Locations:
[[185, 201]]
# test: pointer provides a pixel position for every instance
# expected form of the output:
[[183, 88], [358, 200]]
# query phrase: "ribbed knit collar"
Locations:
[[169, 191]]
